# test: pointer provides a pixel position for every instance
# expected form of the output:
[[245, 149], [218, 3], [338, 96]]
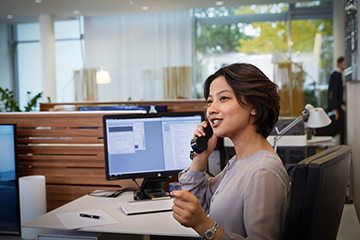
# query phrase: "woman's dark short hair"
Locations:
[[257, 90]]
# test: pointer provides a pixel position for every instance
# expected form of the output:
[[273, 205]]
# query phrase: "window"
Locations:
[[69, 57], [255, 33], [28, 61]]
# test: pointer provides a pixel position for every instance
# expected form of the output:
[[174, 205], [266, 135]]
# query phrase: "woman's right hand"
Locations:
[[200, 160]]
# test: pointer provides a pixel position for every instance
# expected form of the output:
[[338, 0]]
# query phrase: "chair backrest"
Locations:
[[318, 191]]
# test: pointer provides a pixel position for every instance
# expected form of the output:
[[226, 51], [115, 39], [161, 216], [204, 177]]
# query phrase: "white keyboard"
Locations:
[[147, 206]]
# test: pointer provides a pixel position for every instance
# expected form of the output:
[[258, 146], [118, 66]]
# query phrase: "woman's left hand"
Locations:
[[188, 211]]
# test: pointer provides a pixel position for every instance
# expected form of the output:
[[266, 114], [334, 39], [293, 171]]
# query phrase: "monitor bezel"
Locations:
[[14, 125], [147, 175]]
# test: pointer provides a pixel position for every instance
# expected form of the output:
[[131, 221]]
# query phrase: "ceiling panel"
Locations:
[[29, 10]]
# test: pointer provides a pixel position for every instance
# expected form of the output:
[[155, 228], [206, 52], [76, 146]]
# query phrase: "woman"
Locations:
[[248, 199]]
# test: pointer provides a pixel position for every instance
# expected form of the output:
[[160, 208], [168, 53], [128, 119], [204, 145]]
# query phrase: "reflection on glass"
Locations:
[[68, 56], [306, 46], [28, 32], [68, 59], [29, 71], [66, 29]]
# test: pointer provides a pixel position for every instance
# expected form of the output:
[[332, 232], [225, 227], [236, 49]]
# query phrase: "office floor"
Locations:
[[349, 226]]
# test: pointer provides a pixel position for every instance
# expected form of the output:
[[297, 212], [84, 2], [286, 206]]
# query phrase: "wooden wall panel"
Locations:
[[58, 195], [67, 148]]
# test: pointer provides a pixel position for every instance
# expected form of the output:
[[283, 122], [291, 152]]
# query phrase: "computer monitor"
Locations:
[[149, 146], [9, 197]]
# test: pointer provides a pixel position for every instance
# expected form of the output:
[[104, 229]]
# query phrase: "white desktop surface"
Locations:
[[161, 223]]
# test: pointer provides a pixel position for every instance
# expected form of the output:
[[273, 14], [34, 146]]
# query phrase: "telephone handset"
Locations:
[[199, 144]]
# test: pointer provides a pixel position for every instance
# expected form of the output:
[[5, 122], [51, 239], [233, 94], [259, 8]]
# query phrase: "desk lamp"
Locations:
[[317, 119]]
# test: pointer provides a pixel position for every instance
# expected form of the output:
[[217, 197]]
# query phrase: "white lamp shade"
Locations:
[[318, 118], [102, 77]]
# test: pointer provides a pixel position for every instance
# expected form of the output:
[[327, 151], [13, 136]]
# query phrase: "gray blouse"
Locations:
[[248, 199]]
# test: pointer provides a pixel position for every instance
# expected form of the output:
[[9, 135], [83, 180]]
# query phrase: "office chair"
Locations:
[[318, 190]]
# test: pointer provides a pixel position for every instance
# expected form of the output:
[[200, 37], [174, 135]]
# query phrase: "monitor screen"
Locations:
[[9, 201], [148, 145]]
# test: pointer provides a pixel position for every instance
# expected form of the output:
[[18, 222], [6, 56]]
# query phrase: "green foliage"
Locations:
[[32, 102], [324, 99], [310, 97], [212, 39], [262, 8], [274, 36], [218, 38], [7, 97], [267, 38]]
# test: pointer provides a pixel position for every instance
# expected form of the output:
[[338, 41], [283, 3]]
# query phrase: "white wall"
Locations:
[[5, 59], [353, 131], [353, 138], [135, 48]]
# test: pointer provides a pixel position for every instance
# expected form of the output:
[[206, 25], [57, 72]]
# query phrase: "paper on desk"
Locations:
[[72, 220]]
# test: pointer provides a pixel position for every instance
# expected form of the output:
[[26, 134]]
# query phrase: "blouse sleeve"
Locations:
[[198, 184]]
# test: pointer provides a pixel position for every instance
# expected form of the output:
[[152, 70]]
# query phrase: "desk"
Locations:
[[292, 149], [324, 141], [161, 224], [294, 154]]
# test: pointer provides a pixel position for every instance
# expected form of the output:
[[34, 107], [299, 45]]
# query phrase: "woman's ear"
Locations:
[[253, 111]]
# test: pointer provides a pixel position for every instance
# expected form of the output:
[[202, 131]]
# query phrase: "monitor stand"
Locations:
[[152, 188]]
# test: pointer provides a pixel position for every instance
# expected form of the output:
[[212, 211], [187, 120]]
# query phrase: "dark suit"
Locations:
[[335, 100]]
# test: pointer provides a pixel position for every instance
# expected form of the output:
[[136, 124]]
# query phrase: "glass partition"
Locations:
[[298, 57]]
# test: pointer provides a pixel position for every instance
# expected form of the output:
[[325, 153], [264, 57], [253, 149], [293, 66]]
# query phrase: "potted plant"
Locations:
[[10, 105]]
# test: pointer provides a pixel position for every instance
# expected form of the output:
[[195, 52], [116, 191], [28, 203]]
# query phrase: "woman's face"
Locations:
[[227, 117]]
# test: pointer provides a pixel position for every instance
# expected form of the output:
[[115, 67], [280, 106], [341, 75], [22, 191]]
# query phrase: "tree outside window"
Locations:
[[311, 45]]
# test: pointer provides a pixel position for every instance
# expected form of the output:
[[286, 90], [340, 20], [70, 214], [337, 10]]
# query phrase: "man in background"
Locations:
[[335, 99]]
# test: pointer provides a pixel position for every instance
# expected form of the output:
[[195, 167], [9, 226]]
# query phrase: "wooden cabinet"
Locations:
[[65, 147]]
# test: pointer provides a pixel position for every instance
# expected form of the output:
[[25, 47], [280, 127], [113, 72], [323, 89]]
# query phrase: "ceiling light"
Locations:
[[9, 16], [131, 2], [38, 1], [144, 8], [219, 3], [76, 12]]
